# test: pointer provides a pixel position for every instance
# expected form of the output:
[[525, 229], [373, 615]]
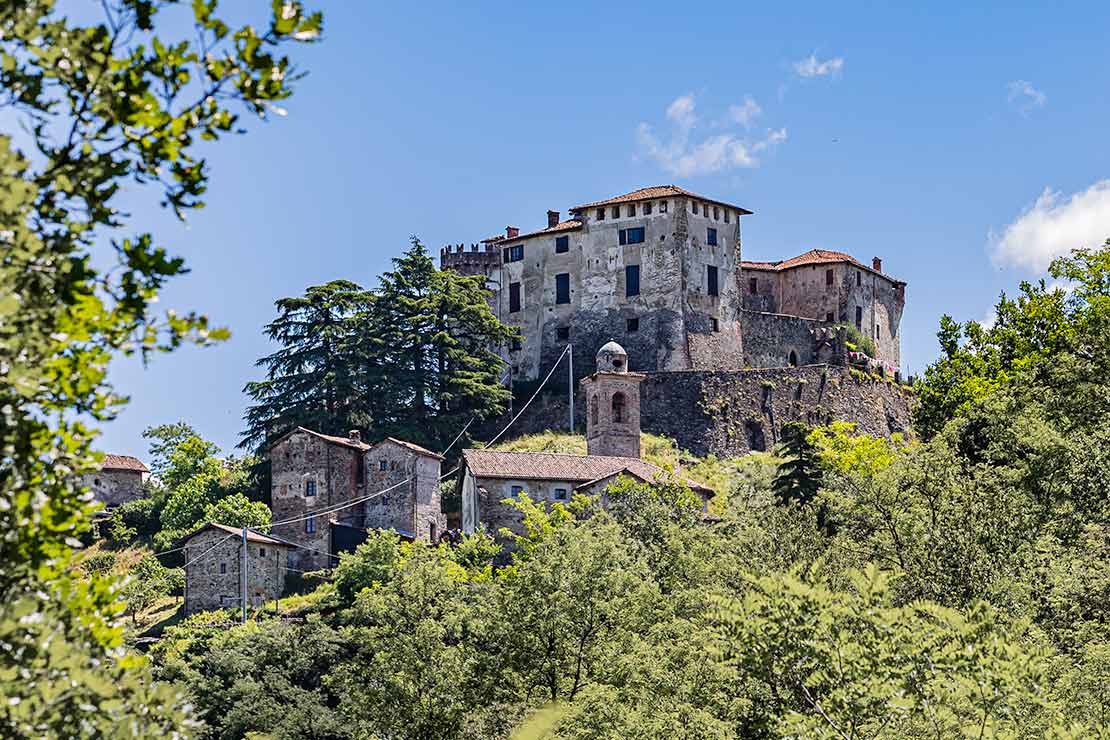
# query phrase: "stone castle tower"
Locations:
[[613, 405]]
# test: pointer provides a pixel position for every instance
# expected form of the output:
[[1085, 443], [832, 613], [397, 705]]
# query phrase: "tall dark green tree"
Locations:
[[799, 475], [311, 380]]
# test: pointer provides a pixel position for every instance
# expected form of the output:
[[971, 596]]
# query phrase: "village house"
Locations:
[[487, 477], [214, 568], [326, 491], [120, 479]]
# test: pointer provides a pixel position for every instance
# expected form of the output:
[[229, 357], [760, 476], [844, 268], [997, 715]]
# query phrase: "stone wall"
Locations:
[[115, 487], [213, 581], [414, 505], [779, 340]]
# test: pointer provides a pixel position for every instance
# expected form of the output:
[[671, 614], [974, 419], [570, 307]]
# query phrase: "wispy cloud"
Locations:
[[679, 155], [1053, 226], [811, 66], [1025, 97]]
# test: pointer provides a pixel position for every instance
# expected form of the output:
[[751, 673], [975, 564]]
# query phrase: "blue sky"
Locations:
[[925, 136]]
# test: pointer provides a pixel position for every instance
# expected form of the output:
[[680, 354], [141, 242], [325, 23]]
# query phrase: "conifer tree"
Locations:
[[799, 476]]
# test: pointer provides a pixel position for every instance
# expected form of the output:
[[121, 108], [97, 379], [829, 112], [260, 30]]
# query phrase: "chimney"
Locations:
[[355, 435], [511, 232], [552, 219], [876, 264]]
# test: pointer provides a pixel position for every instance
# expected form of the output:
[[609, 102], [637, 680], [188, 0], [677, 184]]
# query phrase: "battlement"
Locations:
[[479, 256]]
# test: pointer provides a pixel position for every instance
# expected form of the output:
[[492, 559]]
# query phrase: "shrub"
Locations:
[[99, 563], [857, 341]]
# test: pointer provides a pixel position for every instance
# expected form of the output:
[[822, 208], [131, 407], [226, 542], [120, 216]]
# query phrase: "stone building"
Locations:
[[213, 568], [120, 479], [786, 303], [326, 486], [487, 477], [659, 269]]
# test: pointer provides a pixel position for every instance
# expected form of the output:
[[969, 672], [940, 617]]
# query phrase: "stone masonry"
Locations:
[[119, 480], [214, 559]]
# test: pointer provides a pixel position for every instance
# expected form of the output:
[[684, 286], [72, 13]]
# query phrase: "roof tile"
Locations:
[[123, 462], [657, 191]]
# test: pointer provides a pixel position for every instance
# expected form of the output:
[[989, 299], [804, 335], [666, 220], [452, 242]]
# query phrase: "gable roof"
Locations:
[[814, 257], [342, 441], [657, 191], [123, 462], [569, 225], [238, 532], [410, 446], [556, 466]]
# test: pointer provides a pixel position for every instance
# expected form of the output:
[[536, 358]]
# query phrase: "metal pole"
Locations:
[[570, 383], [243, 577]]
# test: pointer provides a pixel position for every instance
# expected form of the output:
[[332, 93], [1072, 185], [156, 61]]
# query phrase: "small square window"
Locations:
[[828, 316], [616, 213], [560, 494], [517, 490], [562, 244], [562, 333], [516, 253], [715, 324], [711, 237], [262, 552], [383, 465], [663, 206], [310, 488], [600, 214], [633, 324], [647, 208]]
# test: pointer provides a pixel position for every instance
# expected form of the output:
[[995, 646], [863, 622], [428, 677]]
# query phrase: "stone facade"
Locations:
[[315, 476], [121, 478], [213, 570], [613, 404]]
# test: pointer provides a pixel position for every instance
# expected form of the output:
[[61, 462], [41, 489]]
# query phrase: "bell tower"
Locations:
[[613, 405]]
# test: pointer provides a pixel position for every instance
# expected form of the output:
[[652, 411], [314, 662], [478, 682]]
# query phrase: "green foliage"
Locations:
[[374, 562], [799, 475], [99, 563], [857, 341]]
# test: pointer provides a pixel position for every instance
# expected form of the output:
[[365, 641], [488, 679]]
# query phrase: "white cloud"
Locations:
[[681, 157], [1054, 225], [745, 113], [811, 66], [1025, 97]]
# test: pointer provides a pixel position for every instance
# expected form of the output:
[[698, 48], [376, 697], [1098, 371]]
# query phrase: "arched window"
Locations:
[[618, 408], [793, 359], [593, 410]]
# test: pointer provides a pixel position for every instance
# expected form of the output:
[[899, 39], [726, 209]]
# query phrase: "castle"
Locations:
[[659, 270]]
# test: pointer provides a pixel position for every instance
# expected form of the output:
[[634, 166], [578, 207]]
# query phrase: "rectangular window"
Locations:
[[223, 568], [726, 215], [753, 286], [694, 205], [828, 277], [859, 317], [616, 212], [663, 206], [560, 494], [631, 236], [310, 488], [647, 208], [631, 280], [562, 244], [383, 465], [859, 278], [262, 552], [562, 287], [713, 322], [514, 297], [877, 331], [310, 525], [633, 324], [711, 237], [828, 316], [516, 253], [631, 209], [562, 333], [600, 214], [517, 490], [716, 213], [516, 345], [711, 278]]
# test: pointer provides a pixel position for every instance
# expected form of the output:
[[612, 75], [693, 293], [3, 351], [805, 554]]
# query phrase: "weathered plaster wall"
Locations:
[[115, 487], [207, 588], [488, 494], [765, 296]]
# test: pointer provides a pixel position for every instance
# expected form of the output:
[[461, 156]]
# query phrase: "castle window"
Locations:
[[647, 208], [262, 552], [694, 205], [310, 525], [753, 286], [223, 568], [711, 237], [859, 278], [631, 209], [877, 331], [560, 494], [716, 214], [562, 333], [711, 280], [828, 277], [726, 215], [715, 324], [663, 206], [514, 253], [514, 297], [517, 490], [593, 410], [631, 280], [562, 287], [633, 324], [616, 213], [828, 316], [562, 244], [383, 465], [600, 214], [618, 408], [793, 359], [310, 488], [631, 236], [859, 317]]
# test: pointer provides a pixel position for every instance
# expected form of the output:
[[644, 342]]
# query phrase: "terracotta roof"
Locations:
[[123, 462], [813, 257], [342, 441], [238, 532], [414, 447], [561, 467], [657, 191], [570, 225]]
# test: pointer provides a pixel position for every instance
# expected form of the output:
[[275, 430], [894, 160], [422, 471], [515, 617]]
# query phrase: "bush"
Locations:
[[375, 561], [99, 563], [862, 343]]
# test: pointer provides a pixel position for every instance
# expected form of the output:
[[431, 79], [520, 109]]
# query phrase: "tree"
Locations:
[[799, 476], [101, 107], [312, 379]]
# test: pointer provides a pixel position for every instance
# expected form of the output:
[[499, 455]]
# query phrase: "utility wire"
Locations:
[[198, 557], [533, 398]]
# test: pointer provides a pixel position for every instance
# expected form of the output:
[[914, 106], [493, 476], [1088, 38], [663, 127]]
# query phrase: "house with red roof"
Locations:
[[120, 479]]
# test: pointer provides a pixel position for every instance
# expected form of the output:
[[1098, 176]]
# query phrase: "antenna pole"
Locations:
[[570, 384]]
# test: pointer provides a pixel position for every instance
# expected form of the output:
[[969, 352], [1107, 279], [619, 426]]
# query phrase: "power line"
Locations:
[[198, 557], [533, 398], [333, 509]]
